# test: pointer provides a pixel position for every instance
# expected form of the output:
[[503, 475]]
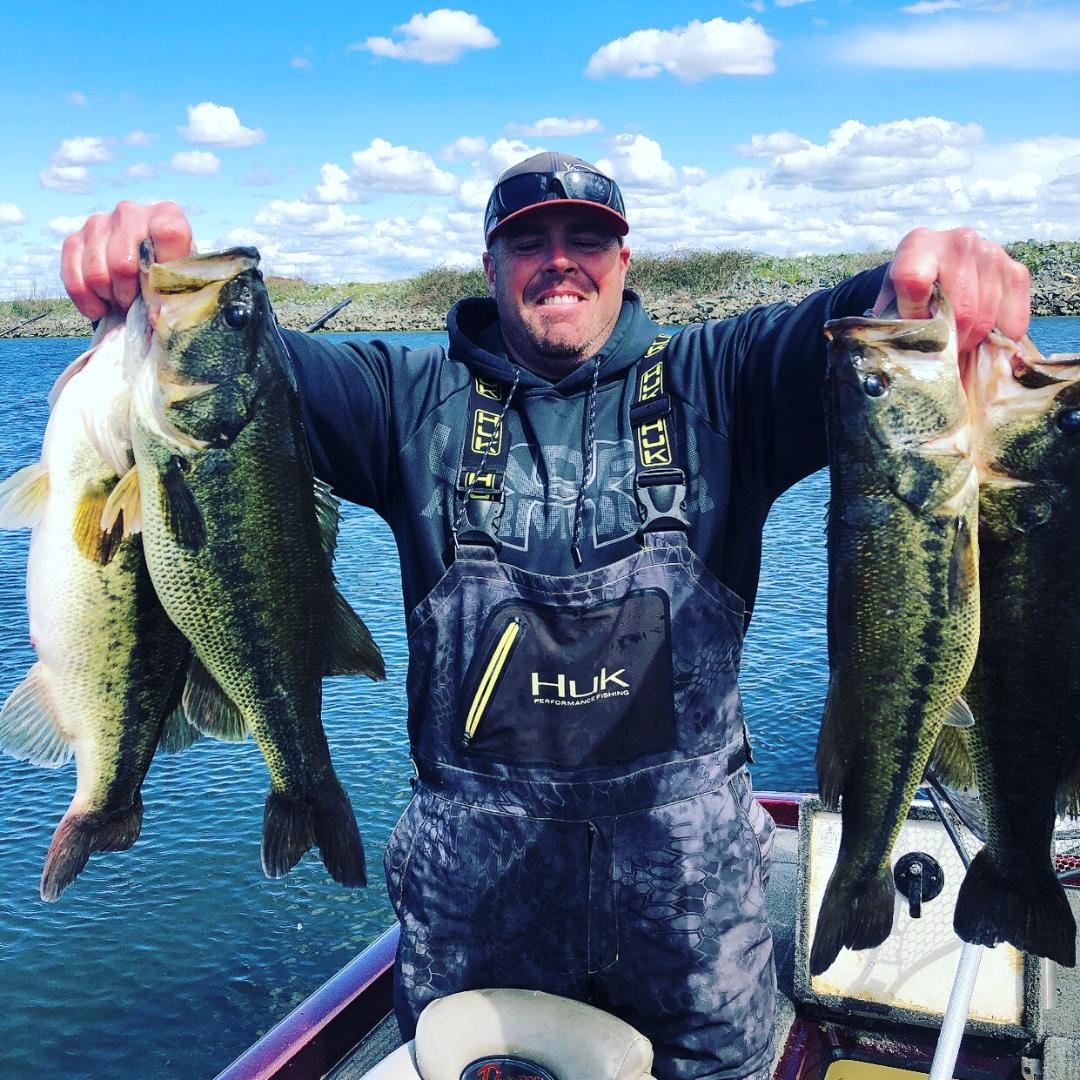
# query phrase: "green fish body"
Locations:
[[231, 526], [903, 606], [110, 664], [1025, 687]]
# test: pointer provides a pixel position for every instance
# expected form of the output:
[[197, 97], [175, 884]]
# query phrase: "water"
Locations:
[[169, 959]]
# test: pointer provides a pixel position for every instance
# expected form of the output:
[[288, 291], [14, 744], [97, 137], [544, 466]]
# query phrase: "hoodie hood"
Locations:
[[477, 342]]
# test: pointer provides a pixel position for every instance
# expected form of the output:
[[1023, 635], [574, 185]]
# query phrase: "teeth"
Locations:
[[563, 299]]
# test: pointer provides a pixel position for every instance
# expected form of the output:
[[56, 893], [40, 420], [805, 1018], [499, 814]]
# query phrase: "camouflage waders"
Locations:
[[582, 821]]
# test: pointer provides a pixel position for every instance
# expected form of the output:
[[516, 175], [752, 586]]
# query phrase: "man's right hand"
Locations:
[[100, 262]]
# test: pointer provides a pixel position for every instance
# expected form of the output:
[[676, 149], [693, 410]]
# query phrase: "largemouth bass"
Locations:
[[238, 545], [1025, 687], [903, 608], [110, 665]]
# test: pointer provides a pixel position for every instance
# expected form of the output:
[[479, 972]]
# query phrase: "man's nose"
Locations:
[[560, 257]]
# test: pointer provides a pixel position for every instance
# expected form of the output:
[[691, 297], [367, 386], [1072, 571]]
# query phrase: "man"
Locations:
[[578, 501]]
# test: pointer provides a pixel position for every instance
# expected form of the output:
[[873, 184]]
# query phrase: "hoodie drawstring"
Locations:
[[575, 545]]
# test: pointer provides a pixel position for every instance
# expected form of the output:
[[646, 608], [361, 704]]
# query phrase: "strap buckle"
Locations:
[[661, 500]]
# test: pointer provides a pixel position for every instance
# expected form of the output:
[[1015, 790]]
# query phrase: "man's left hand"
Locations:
[[986, 288]]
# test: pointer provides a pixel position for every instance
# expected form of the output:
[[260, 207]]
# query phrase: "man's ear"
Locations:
[[489, 271]]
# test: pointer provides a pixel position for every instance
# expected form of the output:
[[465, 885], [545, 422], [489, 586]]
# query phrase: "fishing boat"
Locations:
[[923, 1003]]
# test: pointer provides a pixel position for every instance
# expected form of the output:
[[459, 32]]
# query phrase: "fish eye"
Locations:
[[875, 384], [236, 315], [1068, 422]]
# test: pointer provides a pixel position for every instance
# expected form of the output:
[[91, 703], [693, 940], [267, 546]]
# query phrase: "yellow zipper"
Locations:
[[491, 676]]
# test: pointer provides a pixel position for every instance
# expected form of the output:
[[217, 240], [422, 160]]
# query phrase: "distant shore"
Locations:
[[682, 287]]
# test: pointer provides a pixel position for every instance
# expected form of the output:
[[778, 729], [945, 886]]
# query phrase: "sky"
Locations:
[[359, 142]]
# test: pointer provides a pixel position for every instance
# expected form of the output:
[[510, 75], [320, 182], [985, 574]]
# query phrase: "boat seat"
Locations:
[[569, 1039]]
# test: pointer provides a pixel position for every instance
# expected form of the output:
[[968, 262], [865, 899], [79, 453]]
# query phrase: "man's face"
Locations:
[[557, 277]]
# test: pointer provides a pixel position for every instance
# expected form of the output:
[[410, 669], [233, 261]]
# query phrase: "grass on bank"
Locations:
[[672, 275]]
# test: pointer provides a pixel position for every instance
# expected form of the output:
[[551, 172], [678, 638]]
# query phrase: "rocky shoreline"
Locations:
[[1055, 291]]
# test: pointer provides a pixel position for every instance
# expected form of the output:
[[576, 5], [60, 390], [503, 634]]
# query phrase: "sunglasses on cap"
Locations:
[[578, 184]]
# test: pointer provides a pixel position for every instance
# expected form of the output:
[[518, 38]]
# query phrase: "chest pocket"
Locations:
[[572, 687]]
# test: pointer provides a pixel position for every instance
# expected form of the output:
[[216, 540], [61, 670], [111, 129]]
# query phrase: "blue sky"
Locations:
[[359, 141]]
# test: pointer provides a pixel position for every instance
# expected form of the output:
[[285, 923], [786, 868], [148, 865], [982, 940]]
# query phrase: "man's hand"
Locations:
[[100, 263], [986, 288]]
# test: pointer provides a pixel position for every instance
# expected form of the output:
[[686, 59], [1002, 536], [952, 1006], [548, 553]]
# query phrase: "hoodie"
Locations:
[[386, 425]]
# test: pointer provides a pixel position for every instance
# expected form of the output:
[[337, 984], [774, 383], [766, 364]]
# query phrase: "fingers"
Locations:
[[100, 263], [984, 286]]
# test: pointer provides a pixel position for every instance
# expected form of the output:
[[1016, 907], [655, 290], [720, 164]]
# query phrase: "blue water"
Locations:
[[169, 959]]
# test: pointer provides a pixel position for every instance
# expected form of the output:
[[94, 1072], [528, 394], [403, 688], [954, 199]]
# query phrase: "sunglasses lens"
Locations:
[[586, 185], [521, 191]]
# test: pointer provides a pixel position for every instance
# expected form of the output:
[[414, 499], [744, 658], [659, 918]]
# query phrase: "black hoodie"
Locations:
[[386, 425]]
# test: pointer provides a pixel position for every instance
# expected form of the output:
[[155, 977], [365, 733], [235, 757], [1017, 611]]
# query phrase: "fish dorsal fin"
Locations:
[[352, 649], [30, 725], [958, 715], [124, 505], [328, 515], [178, 733], [208, 708], [96, 544], [23, 496]]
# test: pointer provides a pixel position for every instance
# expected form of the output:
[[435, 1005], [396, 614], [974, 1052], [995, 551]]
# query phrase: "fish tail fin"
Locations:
[[352, 649], [854, 914], [78, 836], [1030, 911], [292, 826]]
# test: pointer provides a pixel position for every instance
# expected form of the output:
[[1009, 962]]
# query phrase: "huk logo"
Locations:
[[563, 690]]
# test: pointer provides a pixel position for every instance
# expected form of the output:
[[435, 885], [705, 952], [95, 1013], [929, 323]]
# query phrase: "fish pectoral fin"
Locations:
[[124, 505], [208, 708], [30, 726], [23, 496], [959, 715], [179, 507], [352, 649], [867, 512], [963, 565], [96, 544], [178, 733]]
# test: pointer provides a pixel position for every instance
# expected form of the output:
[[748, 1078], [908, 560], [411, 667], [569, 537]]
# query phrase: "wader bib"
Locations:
[[582, 820]]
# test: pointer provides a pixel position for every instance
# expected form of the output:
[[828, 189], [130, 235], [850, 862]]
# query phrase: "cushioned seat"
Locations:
[[571, 1040]]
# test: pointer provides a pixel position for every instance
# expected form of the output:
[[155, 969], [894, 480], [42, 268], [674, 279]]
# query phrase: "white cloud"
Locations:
[[551, 127], [64, 226], [381, 168], [140, 171], [302, 63], [772, 144], [691, 53], [195, 162], [82, 150], [10, 215], [1014, 41], [280, 212], [503, 153], [465, 148], [637, 162], [218, 125], [437, 38], [932, 7], [74, 179], [857, 156], [138, 137], [790, 3], [78, 98]]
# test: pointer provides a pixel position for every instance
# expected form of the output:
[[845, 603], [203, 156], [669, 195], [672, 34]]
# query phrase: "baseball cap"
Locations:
[[551, 177]]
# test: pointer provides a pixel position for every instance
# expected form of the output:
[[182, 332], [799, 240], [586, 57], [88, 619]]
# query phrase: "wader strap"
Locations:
[[659, 481], [478, 495]]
